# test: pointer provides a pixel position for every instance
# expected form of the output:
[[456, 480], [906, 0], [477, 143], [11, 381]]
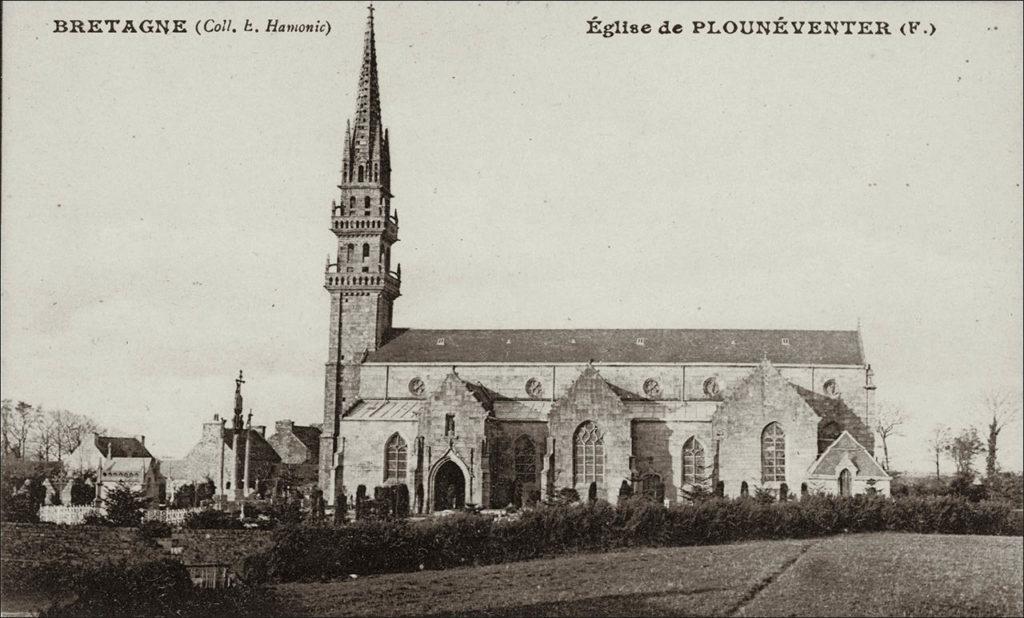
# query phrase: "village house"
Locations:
[[114, 460], [215, 457]]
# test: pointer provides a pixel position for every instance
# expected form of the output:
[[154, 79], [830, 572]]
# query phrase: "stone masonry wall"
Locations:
[[764, 397]]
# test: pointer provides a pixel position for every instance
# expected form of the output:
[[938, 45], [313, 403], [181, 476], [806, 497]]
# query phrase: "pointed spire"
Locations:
[[368, 99]]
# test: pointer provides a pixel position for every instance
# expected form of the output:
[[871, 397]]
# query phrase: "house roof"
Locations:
[[846, 446], [309, 436], [261, 449], [121, 447], [818, 347]]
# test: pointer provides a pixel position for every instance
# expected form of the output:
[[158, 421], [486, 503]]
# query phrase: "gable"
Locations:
[[846, 448], [588, 392]]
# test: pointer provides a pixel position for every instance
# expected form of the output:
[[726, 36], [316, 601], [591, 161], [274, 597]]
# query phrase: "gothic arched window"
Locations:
[[366, 251], [525, 460], [588, 455], [773, 453], [352, 205], [693, 462], [395, 458], [360, 173], [366, 205], [349, 251]]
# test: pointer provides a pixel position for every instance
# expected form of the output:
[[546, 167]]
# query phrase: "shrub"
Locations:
[[1007, 487], [391, 545], [21, 507], [124, 506], [763, 495], [194, 494], [83, 489], [210, 518]]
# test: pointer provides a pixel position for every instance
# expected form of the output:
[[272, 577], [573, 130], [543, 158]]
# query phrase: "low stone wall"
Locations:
[[220, 546], [73, 545]]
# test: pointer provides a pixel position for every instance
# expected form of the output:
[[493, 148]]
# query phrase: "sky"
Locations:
[[166, 199]]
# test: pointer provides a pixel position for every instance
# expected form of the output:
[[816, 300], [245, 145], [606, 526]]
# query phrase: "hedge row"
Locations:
[[369, 547]]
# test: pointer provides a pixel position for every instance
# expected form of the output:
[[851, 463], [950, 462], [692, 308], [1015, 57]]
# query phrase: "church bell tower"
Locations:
[[359, 279]]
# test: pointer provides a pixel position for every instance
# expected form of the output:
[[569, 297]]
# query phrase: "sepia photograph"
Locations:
[[512, 309]]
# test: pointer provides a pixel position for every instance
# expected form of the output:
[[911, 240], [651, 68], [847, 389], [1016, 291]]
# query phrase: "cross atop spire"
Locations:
[[367, 119], [366, 157]]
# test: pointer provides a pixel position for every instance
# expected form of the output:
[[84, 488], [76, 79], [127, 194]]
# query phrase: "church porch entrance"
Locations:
[[449, 487]]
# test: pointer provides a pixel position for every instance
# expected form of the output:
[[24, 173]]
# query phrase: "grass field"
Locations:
[[869, 575]]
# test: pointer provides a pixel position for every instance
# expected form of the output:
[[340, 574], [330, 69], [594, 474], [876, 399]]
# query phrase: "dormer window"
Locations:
[[641, 341], [440, 341], [785, 341]]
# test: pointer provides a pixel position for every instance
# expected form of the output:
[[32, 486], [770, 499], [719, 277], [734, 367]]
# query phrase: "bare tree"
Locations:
[[6, 430], [1001, 408], [73, 429], [45, 434], [22, 423], [938, 440], [887, 424]]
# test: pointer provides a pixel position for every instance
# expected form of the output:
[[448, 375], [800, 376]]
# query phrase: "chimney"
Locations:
[[211, 429], [260, 429], [284, 426], [141, 439]]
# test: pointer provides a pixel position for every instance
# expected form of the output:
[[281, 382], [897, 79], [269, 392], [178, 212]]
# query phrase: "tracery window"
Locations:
[[588, 455], [395, 458], [693, 462], [525, 460], [773, 453]]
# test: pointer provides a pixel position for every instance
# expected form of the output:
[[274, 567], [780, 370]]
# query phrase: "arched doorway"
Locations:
[[845, 481], [449, 487]]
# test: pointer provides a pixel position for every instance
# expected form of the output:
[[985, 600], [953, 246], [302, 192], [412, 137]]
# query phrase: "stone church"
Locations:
[[498, 417]]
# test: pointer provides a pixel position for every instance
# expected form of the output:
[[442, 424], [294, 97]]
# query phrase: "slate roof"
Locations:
[[380, 409], [309, 436], [261, 449], [802, 347], [845, 445], [121, 447]]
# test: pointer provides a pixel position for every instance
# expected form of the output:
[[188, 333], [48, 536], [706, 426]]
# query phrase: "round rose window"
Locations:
[[534, 388], [417, 387], [651, 388]]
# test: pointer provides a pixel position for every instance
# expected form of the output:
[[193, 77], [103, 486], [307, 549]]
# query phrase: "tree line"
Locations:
[[46, 434]]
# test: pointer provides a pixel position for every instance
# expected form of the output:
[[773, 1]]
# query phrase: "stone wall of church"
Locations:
[[460, 438], [740, 420], [501, 441], [676, 382], [589, 399], [658, 449], [363, 461]]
